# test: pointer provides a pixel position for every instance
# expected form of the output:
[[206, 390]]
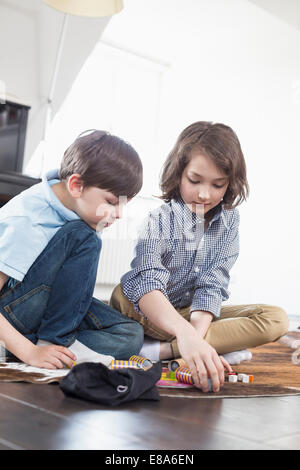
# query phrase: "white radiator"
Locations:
[[118, 241], [115, 259]]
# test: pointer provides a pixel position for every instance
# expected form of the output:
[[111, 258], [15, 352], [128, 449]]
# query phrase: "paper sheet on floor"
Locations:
[[20, 372]]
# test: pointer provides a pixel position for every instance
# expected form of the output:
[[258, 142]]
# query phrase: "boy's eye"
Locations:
[[215, 185], [193, 182]]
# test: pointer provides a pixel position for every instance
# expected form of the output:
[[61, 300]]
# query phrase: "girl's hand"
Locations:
[[202, 359], [49, 357]]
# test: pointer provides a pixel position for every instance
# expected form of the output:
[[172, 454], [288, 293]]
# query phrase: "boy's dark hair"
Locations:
[[220, 143], [104, 161]]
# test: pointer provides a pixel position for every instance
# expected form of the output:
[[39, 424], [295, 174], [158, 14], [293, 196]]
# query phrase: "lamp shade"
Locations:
[[92, 8]]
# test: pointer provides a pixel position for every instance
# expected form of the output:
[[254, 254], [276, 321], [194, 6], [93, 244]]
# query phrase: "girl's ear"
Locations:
[[75, 185]]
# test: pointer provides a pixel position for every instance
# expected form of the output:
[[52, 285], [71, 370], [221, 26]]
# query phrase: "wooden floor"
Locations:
[[41, 417]]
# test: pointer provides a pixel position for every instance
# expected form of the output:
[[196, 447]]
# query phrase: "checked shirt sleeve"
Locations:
[[211, 287], [147, 271]]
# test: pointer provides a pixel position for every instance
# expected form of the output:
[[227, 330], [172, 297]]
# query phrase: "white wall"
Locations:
[[235, 63], [19, 56], [229, 61], [288, 11], [29, 35]]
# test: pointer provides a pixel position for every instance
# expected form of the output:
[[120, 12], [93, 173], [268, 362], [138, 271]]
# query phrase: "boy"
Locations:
[[49, 253]]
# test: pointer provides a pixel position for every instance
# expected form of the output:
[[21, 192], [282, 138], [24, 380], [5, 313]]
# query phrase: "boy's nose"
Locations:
[[203, 196]]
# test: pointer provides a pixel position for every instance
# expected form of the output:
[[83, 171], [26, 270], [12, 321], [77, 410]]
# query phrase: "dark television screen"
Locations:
[[13, 123]]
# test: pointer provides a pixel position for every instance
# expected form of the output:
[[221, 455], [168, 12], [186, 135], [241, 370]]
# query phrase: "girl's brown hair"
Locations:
[[216, 141], [104, 161]]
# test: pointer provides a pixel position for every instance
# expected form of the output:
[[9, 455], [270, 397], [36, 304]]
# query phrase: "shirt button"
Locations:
[[187, 294], [197, 269]]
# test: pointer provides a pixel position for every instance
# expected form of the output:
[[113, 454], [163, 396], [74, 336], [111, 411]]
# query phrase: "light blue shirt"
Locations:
[[27, 224], [188, 265]]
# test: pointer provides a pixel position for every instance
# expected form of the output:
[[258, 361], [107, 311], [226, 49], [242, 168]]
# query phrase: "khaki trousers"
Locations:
[[239, 326]]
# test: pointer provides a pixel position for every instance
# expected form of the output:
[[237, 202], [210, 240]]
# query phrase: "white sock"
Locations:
[[289, 341], [150, 349], [236, 357], [83, 353]]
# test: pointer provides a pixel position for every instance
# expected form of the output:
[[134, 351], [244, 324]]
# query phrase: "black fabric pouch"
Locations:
[[95, 382]]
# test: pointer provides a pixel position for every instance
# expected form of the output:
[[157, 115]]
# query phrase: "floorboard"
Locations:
[[42, 417]]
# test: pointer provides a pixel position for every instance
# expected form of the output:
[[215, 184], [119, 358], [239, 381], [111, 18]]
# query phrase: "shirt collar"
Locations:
[[220, 214], [188, 219], [52, 199]]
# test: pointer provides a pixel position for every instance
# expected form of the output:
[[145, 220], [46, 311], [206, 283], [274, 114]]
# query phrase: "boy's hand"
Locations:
[[202, 359], [50, 357]]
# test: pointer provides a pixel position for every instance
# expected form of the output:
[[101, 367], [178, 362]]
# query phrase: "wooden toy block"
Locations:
[[232, 378]]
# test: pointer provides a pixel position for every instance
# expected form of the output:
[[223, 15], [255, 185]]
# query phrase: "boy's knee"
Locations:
[[73, 224], [77, 232], [77, 225], [133, 339], [114, 299], [279, 323], [136, 332], [119, 301]]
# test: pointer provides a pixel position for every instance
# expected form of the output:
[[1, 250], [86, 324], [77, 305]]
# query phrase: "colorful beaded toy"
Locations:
[[120, 364], [145, 363]]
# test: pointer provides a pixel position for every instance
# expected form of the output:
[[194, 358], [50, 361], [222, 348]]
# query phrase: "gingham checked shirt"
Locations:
[[175, 255]]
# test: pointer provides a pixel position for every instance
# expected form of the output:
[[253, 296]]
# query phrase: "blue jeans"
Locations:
[[55, 302]]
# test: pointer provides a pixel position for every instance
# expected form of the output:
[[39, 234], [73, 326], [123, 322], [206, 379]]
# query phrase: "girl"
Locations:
[[180, 272]]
